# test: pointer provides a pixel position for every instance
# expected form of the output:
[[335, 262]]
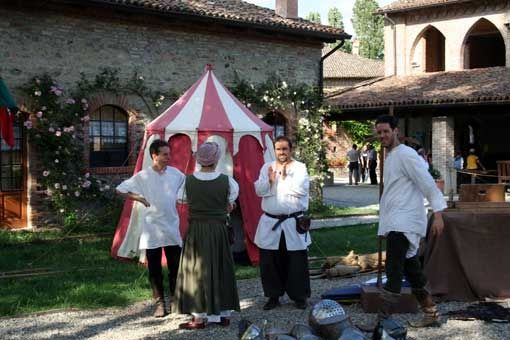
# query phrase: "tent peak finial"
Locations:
[[209, 67]]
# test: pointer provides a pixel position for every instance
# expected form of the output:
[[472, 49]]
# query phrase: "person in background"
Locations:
[[156, 188], [372, 164], [354, 158], [206, 284], [364, 164], [403, 221], [458, 165], [283, 186], [473, 162]]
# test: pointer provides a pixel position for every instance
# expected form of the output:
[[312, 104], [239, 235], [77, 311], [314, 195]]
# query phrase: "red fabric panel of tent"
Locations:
[[246, 172], [182, 159], [6, 129]]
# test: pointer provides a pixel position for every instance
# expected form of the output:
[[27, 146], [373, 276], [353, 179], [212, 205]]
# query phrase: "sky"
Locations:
[[322, 6]]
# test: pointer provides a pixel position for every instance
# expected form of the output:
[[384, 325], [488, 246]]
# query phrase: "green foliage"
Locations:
[[335, 18], [368, 28], [305, 103], [56, 129], [359, 131], [314, 17]]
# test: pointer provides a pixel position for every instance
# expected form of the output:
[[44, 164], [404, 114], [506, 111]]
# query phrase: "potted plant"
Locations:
[[436, 175]]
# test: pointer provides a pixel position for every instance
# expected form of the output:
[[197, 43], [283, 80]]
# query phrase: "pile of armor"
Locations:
[[327, 321]]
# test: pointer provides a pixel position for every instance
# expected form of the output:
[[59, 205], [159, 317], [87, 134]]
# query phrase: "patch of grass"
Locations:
[[94, 280], [321, 210], [340, 241]]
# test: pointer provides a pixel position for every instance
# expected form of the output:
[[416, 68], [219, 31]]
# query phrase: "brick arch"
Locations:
[[478, 24], [100, 99], [416, 41]]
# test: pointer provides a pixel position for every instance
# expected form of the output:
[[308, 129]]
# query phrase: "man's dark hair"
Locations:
[[154, 148], [354, 146], [285, 139], [391, 120]]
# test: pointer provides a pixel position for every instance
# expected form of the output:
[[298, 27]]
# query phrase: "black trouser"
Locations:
[[283, 271], [372, 165], [397, 266], [172, 254]]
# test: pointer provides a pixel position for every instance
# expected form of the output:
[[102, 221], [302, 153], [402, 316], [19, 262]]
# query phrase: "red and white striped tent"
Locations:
[[206, 112]]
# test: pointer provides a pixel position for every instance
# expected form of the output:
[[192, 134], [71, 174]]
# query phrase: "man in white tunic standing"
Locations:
[[403, 221], [283, 186], [156, 188]]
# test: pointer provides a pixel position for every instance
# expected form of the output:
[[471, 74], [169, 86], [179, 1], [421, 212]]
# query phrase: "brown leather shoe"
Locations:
[[190, 325], [160, 310], [224, 322]]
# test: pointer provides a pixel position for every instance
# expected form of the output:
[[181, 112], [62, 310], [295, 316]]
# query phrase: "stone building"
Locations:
[[167, 41], [447, 79]]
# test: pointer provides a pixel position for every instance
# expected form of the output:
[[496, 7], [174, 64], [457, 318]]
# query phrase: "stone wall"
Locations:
[[64, 43]]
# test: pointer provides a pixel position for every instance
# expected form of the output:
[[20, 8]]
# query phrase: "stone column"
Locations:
[[443, 150]]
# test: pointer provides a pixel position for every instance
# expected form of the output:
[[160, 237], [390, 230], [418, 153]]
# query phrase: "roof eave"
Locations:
[[322, 36], [414, 8]]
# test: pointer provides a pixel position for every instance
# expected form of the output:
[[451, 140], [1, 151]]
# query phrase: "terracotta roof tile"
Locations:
[[467, 86], [406, 5], [345, 65], [230, 10]]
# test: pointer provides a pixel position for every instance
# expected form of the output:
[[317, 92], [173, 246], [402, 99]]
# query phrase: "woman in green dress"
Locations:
[[206, 286]]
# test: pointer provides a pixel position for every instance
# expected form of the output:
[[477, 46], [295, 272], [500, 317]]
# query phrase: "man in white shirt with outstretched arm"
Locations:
[[403, 221], [283, 186], [156, 188]]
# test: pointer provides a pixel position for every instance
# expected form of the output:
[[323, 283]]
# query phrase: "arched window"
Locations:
[[484, 46], [429, 51], [108, 129], [278, 122]]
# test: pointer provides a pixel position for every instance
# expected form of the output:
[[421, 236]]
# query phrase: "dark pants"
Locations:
[[397, 266], [173, 254], [372, 165], [283, 271]]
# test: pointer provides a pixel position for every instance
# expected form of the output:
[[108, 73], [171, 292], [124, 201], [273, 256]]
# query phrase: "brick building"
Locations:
[[166, 41], [447, 78]]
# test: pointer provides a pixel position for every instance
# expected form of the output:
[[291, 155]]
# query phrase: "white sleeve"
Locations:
[[262, 186], [181, 193], [413, 167], [131, 185], [233, 192]]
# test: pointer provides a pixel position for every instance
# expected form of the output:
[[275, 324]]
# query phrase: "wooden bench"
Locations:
[[503, 172]]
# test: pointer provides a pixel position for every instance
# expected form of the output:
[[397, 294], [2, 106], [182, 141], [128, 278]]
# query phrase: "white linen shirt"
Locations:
[[209, 176], [160, 221], [406, 183], [283, 197]]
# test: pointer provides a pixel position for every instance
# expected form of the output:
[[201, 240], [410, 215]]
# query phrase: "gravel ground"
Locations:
[[136, 322]]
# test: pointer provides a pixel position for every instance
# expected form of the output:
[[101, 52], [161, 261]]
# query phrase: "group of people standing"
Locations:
[[364, 162], [201, 268]]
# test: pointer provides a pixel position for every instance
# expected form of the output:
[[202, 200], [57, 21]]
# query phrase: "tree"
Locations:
[[314, 17], [335, 19], [368, 28]]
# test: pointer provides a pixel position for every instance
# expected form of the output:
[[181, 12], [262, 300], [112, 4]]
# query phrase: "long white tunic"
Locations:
[[160, 221], [406, 183], [283, 197]]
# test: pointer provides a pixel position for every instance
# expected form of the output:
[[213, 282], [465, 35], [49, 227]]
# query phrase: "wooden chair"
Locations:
[[503, 172]]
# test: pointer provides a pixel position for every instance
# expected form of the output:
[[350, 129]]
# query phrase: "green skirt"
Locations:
[[206, 280]]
